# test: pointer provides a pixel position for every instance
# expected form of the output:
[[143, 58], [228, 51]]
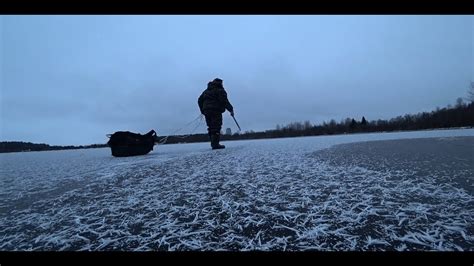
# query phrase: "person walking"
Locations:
[[212, 103]]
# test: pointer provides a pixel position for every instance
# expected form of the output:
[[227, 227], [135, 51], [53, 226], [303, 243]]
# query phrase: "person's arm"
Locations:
[[227, 104]]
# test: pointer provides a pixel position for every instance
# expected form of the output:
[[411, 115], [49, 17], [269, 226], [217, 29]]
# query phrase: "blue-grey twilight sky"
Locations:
[[70, 80]]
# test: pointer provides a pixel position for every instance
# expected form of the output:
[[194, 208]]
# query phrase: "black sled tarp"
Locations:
[[125, 143]]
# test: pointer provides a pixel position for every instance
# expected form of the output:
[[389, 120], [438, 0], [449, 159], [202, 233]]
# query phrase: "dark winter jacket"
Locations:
[[214, 99]]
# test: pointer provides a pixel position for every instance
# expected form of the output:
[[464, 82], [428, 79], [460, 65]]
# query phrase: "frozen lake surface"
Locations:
[[390, 191]]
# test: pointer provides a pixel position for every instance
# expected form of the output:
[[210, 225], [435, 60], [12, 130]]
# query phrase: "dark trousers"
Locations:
[[214, 122]]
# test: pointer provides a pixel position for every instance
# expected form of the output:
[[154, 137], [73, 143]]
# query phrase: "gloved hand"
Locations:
[[232, 113]]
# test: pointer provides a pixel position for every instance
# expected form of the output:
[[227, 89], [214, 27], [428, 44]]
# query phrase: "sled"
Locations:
[[126, 143]]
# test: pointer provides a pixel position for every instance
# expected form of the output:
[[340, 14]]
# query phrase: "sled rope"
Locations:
[[197, 122]]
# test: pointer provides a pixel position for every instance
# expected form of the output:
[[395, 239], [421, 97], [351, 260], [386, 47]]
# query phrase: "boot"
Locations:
[[211, 138], [215, 142]]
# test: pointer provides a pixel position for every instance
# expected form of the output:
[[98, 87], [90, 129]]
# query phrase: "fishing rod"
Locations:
[[236, 122]]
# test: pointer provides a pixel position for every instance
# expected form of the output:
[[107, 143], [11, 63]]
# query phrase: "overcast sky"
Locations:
[[70, 80]]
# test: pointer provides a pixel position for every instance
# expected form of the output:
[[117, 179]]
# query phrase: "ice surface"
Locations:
[[279, 194]]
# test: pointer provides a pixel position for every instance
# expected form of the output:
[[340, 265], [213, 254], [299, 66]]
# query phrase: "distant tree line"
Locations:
[[19, 146], [460, 115]]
